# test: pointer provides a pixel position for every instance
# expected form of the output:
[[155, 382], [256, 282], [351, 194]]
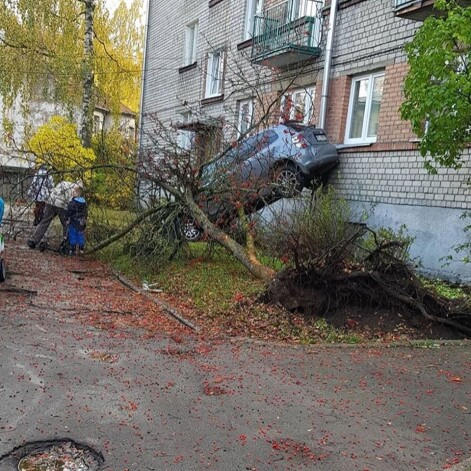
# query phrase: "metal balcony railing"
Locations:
[[290, 24]]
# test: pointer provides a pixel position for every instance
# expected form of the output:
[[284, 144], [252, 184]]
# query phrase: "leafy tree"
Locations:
[[56, 144], [112, 184], [43, 53], [438, 85]]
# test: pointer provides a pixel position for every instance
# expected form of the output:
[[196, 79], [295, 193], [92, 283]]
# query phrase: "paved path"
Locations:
[[175, 401]]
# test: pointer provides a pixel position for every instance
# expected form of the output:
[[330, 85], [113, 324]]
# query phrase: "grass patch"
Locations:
[[210, 276], [446, 289]]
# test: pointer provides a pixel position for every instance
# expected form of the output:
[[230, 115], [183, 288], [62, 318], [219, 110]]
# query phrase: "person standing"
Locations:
[[39, 190], [76, 216], [56, 205], [2, 209]]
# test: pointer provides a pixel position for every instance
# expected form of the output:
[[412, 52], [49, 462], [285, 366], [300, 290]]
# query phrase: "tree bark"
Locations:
[[252, 264], [124, 231], [86, 122]]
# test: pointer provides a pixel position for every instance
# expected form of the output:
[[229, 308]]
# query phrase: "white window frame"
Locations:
[[364, 139], [185, 137], [214, 77], [191, 43], [97, 123], [309, 96], [253, 8], [241, 116]]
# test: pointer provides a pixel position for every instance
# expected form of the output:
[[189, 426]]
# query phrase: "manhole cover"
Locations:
[[56, 455]]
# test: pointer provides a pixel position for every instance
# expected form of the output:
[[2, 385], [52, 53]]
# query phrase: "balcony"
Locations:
[[419, 10], [288, 33]]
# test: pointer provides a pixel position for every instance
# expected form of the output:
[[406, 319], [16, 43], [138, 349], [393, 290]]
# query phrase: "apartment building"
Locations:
[[218, 64]]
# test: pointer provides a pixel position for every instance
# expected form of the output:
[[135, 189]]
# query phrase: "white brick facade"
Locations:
[[369, 37]]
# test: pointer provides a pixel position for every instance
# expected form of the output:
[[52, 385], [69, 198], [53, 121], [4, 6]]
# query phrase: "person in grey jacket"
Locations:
[[39, 190], [56, 205]]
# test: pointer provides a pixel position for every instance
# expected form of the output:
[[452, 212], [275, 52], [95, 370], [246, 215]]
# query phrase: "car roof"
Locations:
[[297, 126]]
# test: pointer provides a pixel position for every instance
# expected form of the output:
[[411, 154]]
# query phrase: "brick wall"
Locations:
[[369, 37], [399, 177], [391, 127], [337, 107]]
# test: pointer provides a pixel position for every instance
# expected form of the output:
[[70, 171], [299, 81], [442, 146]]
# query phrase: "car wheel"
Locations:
[[3, 274], [288, 181], [191, 232]]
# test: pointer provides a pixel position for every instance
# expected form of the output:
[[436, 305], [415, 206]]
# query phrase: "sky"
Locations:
[[112, 4]]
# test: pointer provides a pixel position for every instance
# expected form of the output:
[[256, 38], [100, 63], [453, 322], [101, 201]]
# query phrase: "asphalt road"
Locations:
[[182, 402]]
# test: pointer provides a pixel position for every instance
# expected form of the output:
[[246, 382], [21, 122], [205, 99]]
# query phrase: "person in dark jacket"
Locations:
[[76, 217]]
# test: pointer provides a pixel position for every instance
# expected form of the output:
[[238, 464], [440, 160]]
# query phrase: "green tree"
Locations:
[[438, 85], [112, 184], [43, 55], [56, 144]]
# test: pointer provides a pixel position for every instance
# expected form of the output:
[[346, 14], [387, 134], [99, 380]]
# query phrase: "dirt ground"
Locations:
[[248, 318]]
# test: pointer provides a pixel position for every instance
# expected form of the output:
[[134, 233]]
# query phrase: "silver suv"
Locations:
[[275, 163]]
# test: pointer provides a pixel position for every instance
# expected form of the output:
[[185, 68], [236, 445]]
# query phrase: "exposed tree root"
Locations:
[[397, 286]]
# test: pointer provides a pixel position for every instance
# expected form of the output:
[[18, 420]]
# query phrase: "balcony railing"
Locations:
[[287, 32]]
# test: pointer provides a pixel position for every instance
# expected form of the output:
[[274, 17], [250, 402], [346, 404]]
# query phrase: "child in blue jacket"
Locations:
[[2, 208], [76, 217]]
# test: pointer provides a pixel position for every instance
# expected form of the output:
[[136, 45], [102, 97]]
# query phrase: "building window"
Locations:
[[214, 74], [301, 8], [363, 110], [297, 105], [254, 8], [185, 138], [191, 36], [245, 116], [96, 124]]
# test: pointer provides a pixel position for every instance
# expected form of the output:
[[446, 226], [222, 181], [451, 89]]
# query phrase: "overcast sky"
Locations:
[[112, 4]]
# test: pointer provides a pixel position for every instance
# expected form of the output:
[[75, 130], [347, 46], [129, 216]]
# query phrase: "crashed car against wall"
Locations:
[[275, 163]]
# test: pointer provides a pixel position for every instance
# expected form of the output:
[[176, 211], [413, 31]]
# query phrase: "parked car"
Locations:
[[275, 163]]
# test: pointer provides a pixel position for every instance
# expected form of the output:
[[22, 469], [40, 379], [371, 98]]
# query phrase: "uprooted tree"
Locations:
[[333, 263], [328, 260]]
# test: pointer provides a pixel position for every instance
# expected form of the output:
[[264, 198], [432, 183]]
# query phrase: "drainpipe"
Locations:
[[328, 63], [141, 101]]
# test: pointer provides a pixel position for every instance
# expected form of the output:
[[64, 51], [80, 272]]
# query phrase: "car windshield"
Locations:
[[243, 151]]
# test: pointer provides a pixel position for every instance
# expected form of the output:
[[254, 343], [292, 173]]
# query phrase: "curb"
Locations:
[[413, 344]]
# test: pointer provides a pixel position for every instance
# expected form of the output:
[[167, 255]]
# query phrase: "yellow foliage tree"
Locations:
[[42, 54], [57, 145], [113, 183]]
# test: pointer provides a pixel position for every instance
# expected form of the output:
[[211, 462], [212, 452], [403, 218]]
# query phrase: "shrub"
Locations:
[[315, 234]]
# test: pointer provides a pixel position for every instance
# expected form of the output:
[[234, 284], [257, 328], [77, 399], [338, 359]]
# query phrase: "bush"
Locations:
[[315, 234]]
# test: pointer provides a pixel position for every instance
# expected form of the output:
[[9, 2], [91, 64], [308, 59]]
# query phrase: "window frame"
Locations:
[[309, 91], [210, 79], [191, 43], [252, 9], [240, 116], [185, 137], [363, 139]]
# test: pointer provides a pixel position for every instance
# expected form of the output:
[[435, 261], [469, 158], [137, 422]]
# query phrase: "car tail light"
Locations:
[[299, 141]]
